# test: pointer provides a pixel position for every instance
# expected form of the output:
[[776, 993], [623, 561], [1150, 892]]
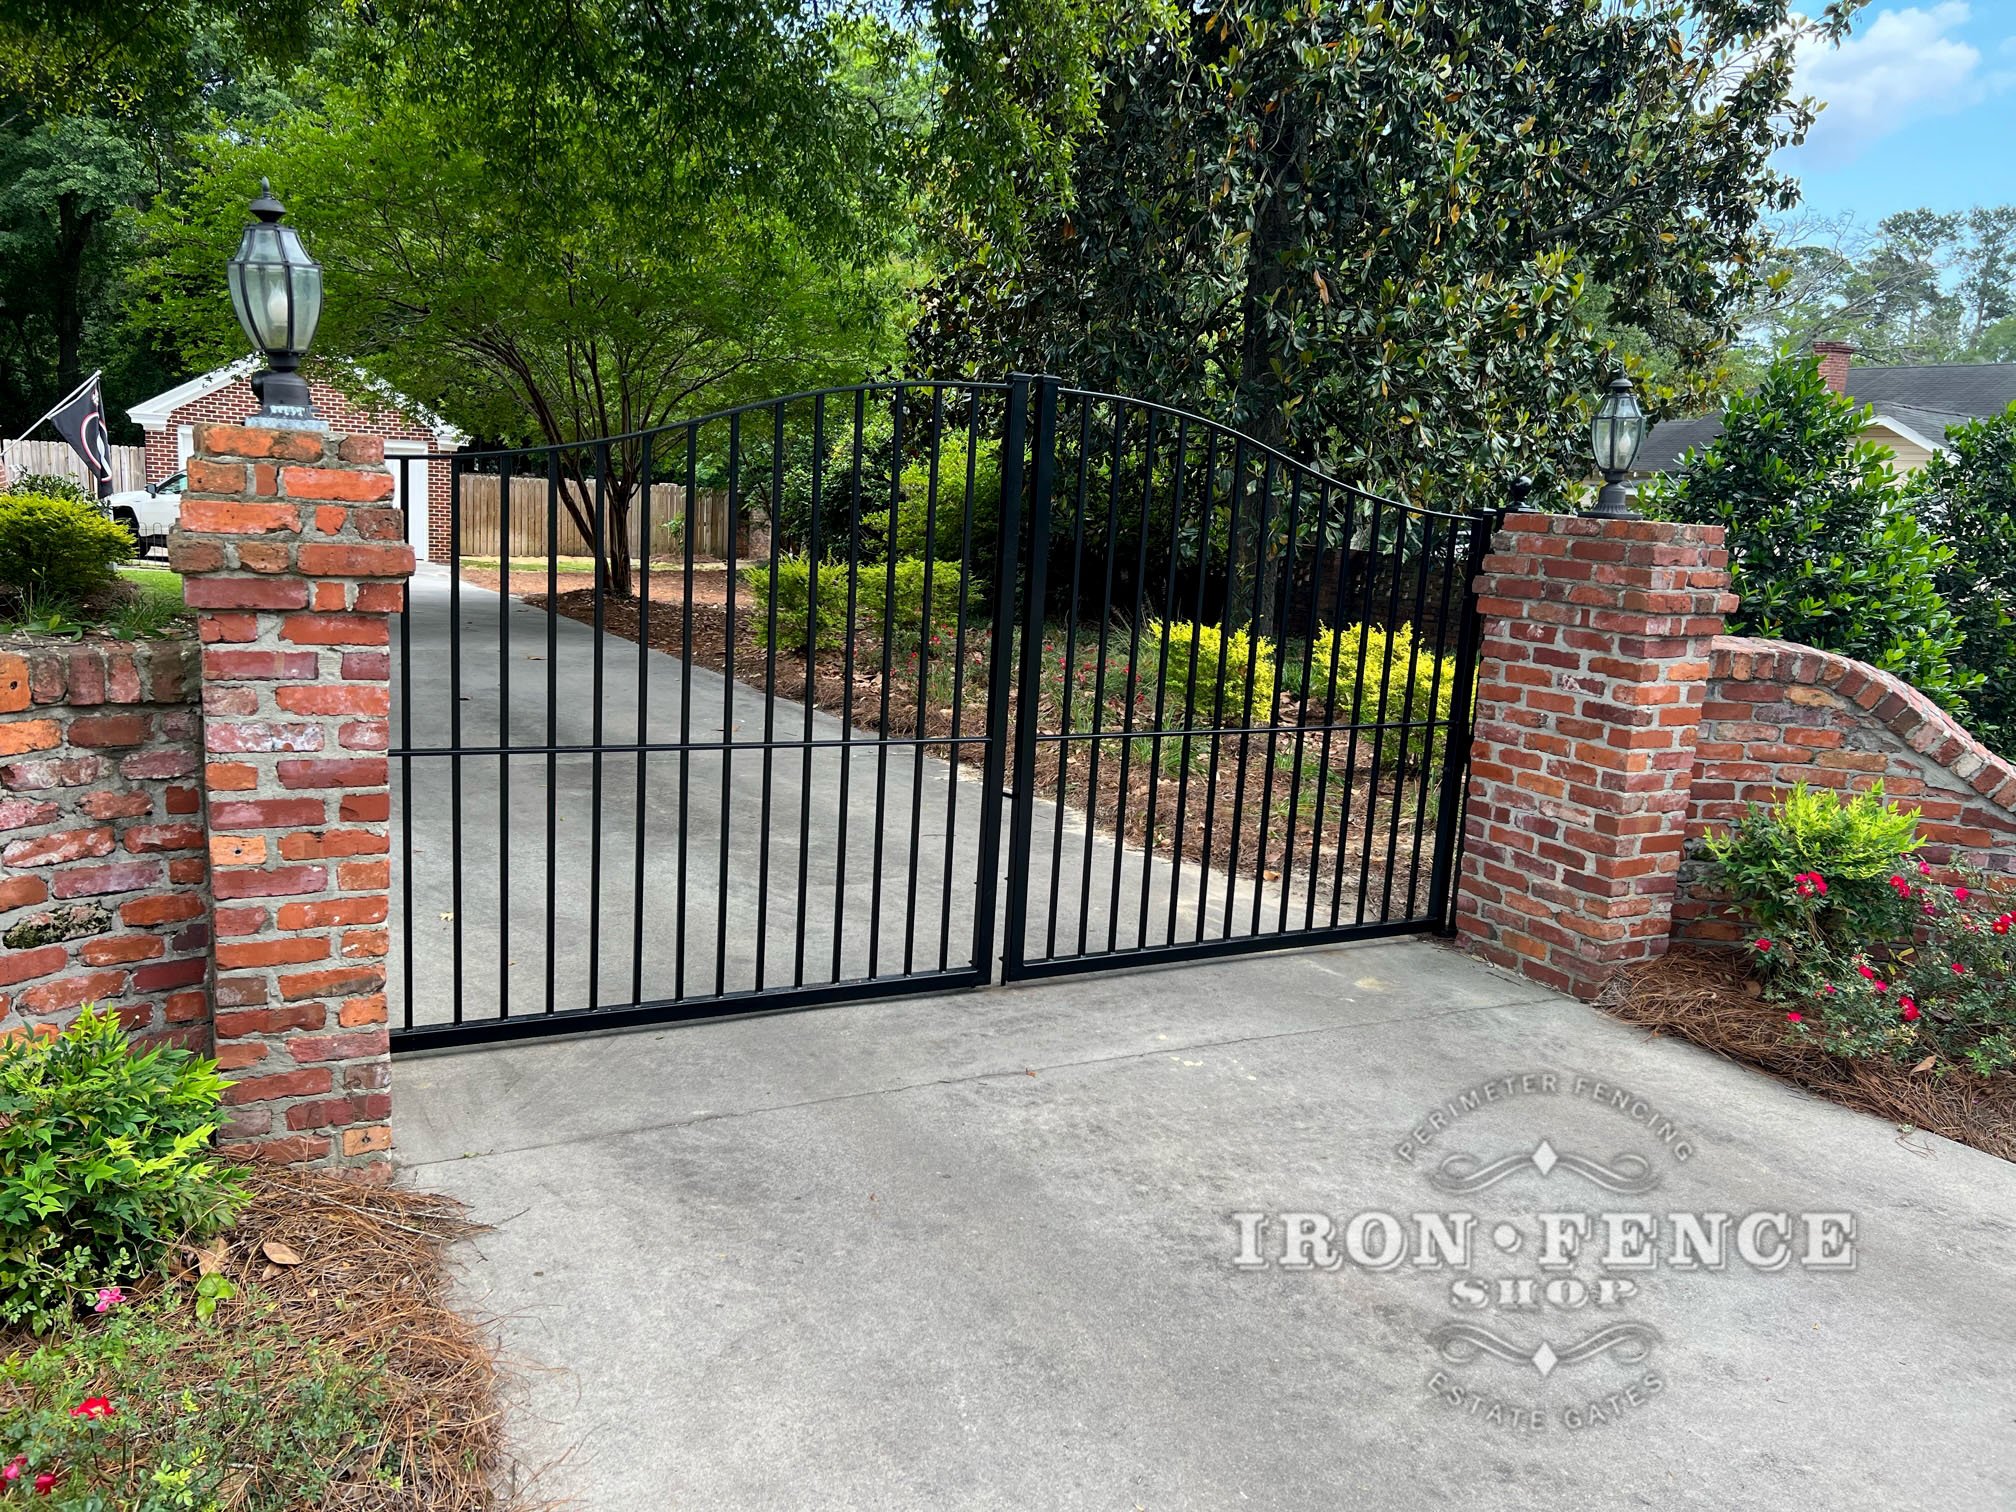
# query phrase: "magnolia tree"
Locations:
[[1404, 238]]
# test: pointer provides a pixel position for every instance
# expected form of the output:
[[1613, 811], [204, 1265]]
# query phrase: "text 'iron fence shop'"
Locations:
[[962, 679]]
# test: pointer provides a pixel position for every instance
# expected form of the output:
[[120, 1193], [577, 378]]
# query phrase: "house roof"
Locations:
[[155, 413], [1918, 400]]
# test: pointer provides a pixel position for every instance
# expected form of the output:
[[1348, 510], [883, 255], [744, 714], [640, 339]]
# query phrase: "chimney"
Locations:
[[1834, 357]]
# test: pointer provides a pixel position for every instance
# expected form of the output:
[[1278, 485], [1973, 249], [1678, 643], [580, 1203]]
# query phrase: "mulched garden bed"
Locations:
[[1710, 998], [1115, 791], [333, 1281]]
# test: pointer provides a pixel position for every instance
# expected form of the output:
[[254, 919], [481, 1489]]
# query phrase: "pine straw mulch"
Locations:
[[1710, 998], [371, 1282]]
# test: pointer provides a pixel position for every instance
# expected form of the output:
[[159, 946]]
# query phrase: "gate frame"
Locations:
[[1032, 577]]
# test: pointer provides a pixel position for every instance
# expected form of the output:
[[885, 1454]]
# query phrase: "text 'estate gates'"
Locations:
[[876, 685]]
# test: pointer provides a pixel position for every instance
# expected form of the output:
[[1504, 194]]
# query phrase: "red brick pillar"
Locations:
[[1594, 667], [294, 564]]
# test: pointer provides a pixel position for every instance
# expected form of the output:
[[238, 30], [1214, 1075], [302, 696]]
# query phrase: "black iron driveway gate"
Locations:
[[768, 692]]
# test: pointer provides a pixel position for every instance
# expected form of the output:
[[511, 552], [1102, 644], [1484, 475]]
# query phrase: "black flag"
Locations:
[[80, 420]]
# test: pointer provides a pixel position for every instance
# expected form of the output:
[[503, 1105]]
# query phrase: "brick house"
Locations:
[[225, 394]]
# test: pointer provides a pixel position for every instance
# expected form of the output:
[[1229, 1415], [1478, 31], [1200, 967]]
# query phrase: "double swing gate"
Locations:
[[884, 689]]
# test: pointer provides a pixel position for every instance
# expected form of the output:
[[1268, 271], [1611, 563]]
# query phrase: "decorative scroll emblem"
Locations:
[[1626, 1173], [1461, 1343]]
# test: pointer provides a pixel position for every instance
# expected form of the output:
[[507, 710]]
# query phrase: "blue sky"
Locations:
[[1921, 110]]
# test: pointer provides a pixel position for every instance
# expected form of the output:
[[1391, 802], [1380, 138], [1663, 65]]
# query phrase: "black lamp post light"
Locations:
[[1615, 434], [276, 289]]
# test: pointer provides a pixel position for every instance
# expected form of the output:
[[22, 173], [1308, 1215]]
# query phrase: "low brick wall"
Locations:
[[103, 879], [1778, 714], [195, 831]]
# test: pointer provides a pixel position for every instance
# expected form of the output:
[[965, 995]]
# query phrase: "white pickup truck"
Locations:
[[150, 512]]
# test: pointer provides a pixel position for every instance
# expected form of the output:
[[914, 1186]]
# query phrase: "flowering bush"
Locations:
[[104, 1163], [153, 1411], [1880, 957], [1817, 861]]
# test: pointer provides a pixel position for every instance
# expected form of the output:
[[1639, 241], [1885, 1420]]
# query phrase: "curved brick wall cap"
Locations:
[[1908, 714]]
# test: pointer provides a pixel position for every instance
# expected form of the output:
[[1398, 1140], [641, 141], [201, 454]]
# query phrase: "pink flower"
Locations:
[[1961, 894], [109, 1297], [1795, 1018], [45, 1483], [1866, 974], [1828, 988], [14, 1468], [1880, 986], [1910, 1010], [1924, 868]]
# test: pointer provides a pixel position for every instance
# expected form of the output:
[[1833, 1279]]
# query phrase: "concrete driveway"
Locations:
[[979, 1252]]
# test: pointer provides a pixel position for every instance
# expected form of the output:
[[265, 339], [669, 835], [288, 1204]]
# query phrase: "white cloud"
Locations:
[[1900, 67]]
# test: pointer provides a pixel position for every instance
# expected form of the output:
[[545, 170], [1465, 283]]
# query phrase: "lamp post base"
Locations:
[[1612, 503], [284, 399]]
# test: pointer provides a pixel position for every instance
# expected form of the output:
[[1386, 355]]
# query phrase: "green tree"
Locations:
[[511, 261], [1823, 546], [1384, 235], [1967, 493]]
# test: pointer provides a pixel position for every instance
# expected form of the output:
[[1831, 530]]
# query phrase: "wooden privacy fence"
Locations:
[[481, 527], [129, 463]]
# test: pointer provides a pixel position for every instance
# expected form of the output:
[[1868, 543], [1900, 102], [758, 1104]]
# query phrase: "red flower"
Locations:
[[2001, 925], [1903, 887], [1958, 969], [1810, 885], [1910, 1010], [93, 1407], [1961, 894], [1763, 944], [1828, 988], [1924, 868], [1866, 974], [45, 1483], [1795, 1018], [1880, 986]]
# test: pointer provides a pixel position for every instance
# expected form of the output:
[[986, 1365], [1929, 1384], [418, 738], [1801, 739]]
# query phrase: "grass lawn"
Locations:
[[157, 584]]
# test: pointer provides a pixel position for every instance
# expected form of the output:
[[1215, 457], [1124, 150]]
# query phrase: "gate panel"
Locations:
[[1243, 717], [739, 765]]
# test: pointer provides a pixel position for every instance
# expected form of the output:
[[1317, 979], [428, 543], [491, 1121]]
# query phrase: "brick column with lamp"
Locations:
[[294, 563]]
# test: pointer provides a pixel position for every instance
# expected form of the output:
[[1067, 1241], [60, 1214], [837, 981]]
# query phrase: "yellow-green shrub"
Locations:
[[871, 590], [1244, 660], [1381, 696]]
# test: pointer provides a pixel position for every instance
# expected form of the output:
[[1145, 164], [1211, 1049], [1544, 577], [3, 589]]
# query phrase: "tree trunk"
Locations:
[[1262, 394], [73, 235]]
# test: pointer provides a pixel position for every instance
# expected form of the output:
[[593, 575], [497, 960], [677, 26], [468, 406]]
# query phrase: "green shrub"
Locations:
[[53, 486], [104, 1164], [192, 1416], [1817, 863], [58, 548], [1967, 493], [1206, 653], [1823, 546], [793, 588]]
